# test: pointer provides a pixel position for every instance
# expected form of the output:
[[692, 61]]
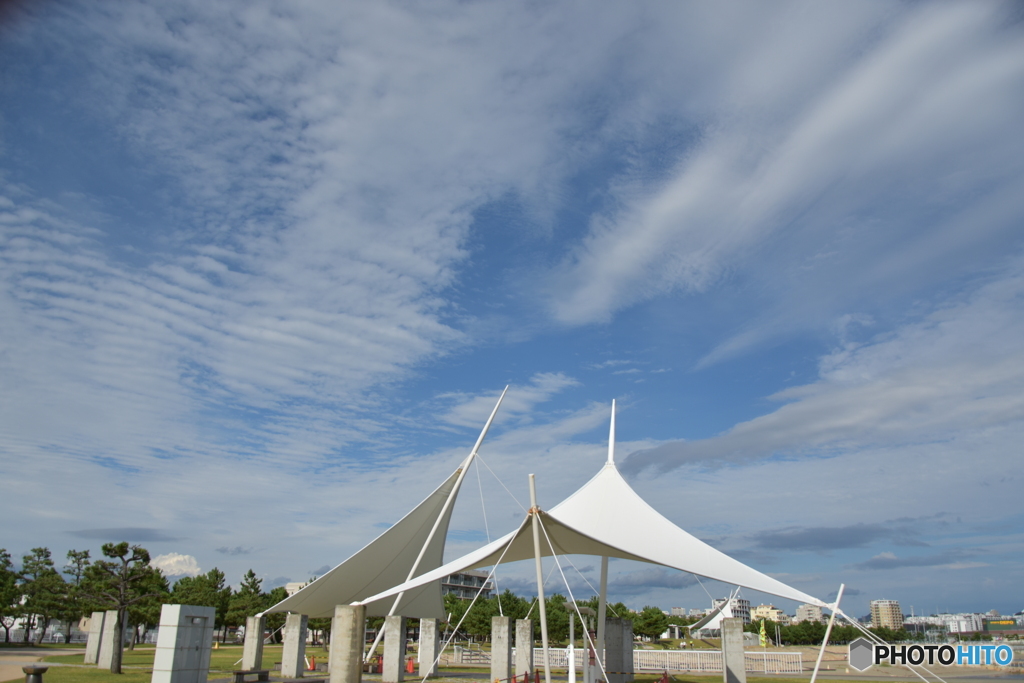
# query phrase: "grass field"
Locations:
[[138, 665]]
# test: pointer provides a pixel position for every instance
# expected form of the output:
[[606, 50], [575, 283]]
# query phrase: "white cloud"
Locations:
[[176, 564], [306, 249], [955, 373], [814, 200], [519, 401]]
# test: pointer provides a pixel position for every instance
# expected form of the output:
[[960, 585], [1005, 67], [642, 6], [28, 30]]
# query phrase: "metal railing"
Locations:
[[696, 661]]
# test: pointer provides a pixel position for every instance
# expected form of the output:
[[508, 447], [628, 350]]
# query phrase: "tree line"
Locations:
[[650, 622], [812, 633], [40, 593]]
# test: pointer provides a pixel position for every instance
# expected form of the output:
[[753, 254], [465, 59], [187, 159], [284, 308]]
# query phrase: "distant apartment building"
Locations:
[[770, 612], [467, 584], [678, 612], [963, 623], [886, 614], [807, 613], [740, 608]]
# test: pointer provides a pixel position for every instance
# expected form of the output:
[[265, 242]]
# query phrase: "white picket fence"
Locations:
[[695, 661]]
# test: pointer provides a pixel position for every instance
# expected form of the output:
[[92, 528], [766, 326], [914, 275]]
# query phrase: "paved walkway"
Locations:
[[12, 659]]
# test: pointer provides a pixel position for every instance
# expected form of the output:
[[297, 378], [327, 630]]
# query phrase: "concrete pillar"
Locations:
[[627, 649], [430, 646], [524, 646], [183, 644], [393, 670], [346, 654], [734, 669], [293, 656], [618, 646], [501, 648], [108, 640], [252, 650], [92, 646]]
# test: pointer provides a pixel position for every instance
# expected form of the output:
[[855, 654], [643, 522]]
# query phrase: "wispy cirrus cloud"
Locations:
[[953, 370], [786, 194], [519, 401], [130, 534]]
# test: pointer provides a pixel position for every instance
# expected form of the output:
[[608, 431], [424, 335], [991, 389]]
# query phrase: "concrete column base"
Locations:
[[108, 640], [734, 668], [501, 648], [293, 656], [524, 646], [252, 649], [393, 670], [346, 654], [430, 646], [92, 646]]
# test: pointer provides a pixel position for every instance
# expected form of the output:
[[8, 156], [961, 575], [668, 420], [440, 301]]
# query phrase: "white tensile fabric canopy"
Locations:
[[413, 545], [606, 517], [384, 562], [713, 620]]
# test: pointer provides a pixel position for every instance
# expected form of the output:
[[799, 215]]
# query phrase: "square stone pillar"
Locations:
[[627, 650], [252, 650], [183, 644], [524, 646], [92, 646], [108, 640], [734, 668], [430, 646], [346, 654], [501, 648], [618, 647], [293, 656], [393, 670]]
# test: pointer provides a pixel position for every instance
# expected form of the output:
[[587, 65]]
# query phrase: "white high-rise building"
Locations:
[[807, 613], [740, 608]]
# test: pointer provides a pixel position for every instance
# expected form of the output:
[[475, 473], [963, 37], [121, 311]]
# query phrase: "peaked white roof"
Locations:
[[383, 563], [413, 545], [713, 620], [606, 517]]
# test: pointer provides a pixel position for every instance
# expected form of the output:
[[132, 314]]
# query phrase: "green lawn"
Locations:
[[138, 666]]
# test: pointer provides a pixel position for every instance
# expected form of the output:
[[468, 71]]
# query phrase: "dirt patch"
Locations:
[[10, 667]]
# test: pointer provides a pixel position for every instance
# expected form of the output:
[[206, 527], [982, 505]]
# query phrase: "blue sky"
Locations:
[[264, 268]]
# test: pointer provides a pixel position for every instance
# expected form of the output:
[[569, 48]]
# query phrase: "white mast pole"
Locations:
[[535, 511], [828, 631], [602, 600], [463, 468]]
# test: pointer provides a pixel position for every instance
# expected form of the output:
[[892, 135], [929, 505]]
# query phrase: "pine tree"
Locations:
[[248, 601], [76, 608], [44, 589], [120, 583], [205, 590], [10, 594]]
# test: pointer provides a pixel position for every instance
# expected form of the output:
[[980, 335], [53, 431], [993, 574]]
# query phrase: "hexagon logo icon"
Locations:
[[861, 655]]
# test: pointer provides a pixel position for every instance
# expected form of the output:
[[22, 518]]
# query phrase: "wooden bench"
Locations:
[[261, 675]]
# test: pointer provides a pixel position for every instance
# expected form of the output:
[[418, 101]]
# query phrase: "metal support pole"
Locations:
[[602, 599], [571, 650], [535, 511], [437, 522], [828, 631]]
